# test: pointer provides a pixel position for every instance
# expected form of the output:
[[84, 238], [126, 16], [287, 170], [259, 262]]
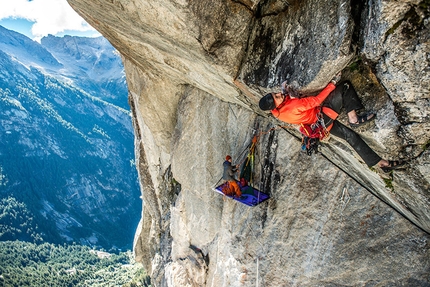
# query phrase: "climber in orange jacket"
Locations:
[[289, 106], [294, 110]]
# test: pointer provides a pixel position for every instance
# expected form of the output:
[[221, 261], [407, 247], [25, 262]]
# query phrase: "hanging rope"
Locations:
[[249, 160], [256, 281]]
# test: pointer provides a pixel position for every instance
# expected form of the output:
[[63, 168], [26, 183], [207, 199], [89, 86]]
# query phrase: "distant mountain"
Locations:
[[92, 64], [25, 50], [66, 144]]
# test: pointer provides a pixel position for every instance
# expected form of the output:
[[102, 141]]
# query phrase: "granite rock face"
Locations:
[[196, 70]]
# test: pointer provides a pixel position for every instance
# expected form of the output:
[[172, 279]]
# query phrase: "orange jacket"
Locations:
[[304, 110]]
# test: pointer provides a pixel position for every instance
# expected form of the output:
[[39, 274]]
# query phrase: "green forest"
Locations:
[[27, 259], [29, 264], [17, 222]]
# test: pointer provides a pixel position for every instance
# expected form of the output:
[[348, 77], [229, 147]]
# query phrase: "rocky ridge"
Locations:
[[195, 71]]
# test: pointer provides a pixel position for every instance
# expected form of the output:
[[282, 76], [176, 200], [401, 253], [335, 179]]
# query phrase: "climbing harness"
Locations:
[[314, 133], [317, 129]]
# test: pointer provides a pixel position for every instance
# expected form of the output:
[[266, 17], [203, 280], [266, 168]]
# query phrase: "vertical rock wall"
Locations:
[[196, 70]]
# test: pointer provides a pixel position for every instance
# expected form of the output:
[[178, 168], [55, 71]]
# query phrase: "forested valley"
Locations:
[[27, 260], [29, 264]]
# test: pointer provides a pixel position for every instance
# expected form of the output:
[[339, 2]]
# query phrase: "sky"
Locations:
[[38, 18]]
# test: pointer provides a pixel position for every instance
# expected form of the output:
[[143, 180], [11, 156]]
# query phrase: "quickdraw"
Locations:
[[313, 134], [315, 130]]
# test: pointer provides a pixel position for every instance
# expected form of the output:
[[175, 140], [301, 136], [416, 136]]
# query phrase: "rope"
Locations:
[[241, 154], [256, 283], [251, 146], [216, 184], [256, 239]]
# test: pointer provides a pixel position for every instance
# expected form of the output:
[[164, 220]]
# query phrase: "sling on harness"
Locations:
[[312, 134]]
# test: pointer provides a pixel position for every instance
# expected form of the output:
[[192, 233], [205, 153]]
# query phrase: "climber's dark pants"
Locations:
[[344, 96]]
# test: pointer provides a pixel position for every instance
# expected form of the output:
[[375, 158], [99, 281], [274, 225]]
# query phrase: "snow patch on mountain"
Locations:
[[29, 52]]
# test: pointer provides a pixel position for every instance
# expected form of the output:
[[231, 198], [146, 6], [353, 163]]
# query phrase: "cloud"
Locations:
[[49, 16]]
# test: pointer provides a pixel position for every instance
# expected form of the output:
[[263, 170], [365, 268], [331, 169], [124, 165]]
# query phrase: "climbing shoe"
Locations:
[[392, 165], [362, 119]]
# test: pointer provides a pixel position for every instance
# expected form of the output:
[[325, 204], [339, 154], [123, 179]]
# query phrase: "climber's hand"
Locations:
[[336, 78]]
